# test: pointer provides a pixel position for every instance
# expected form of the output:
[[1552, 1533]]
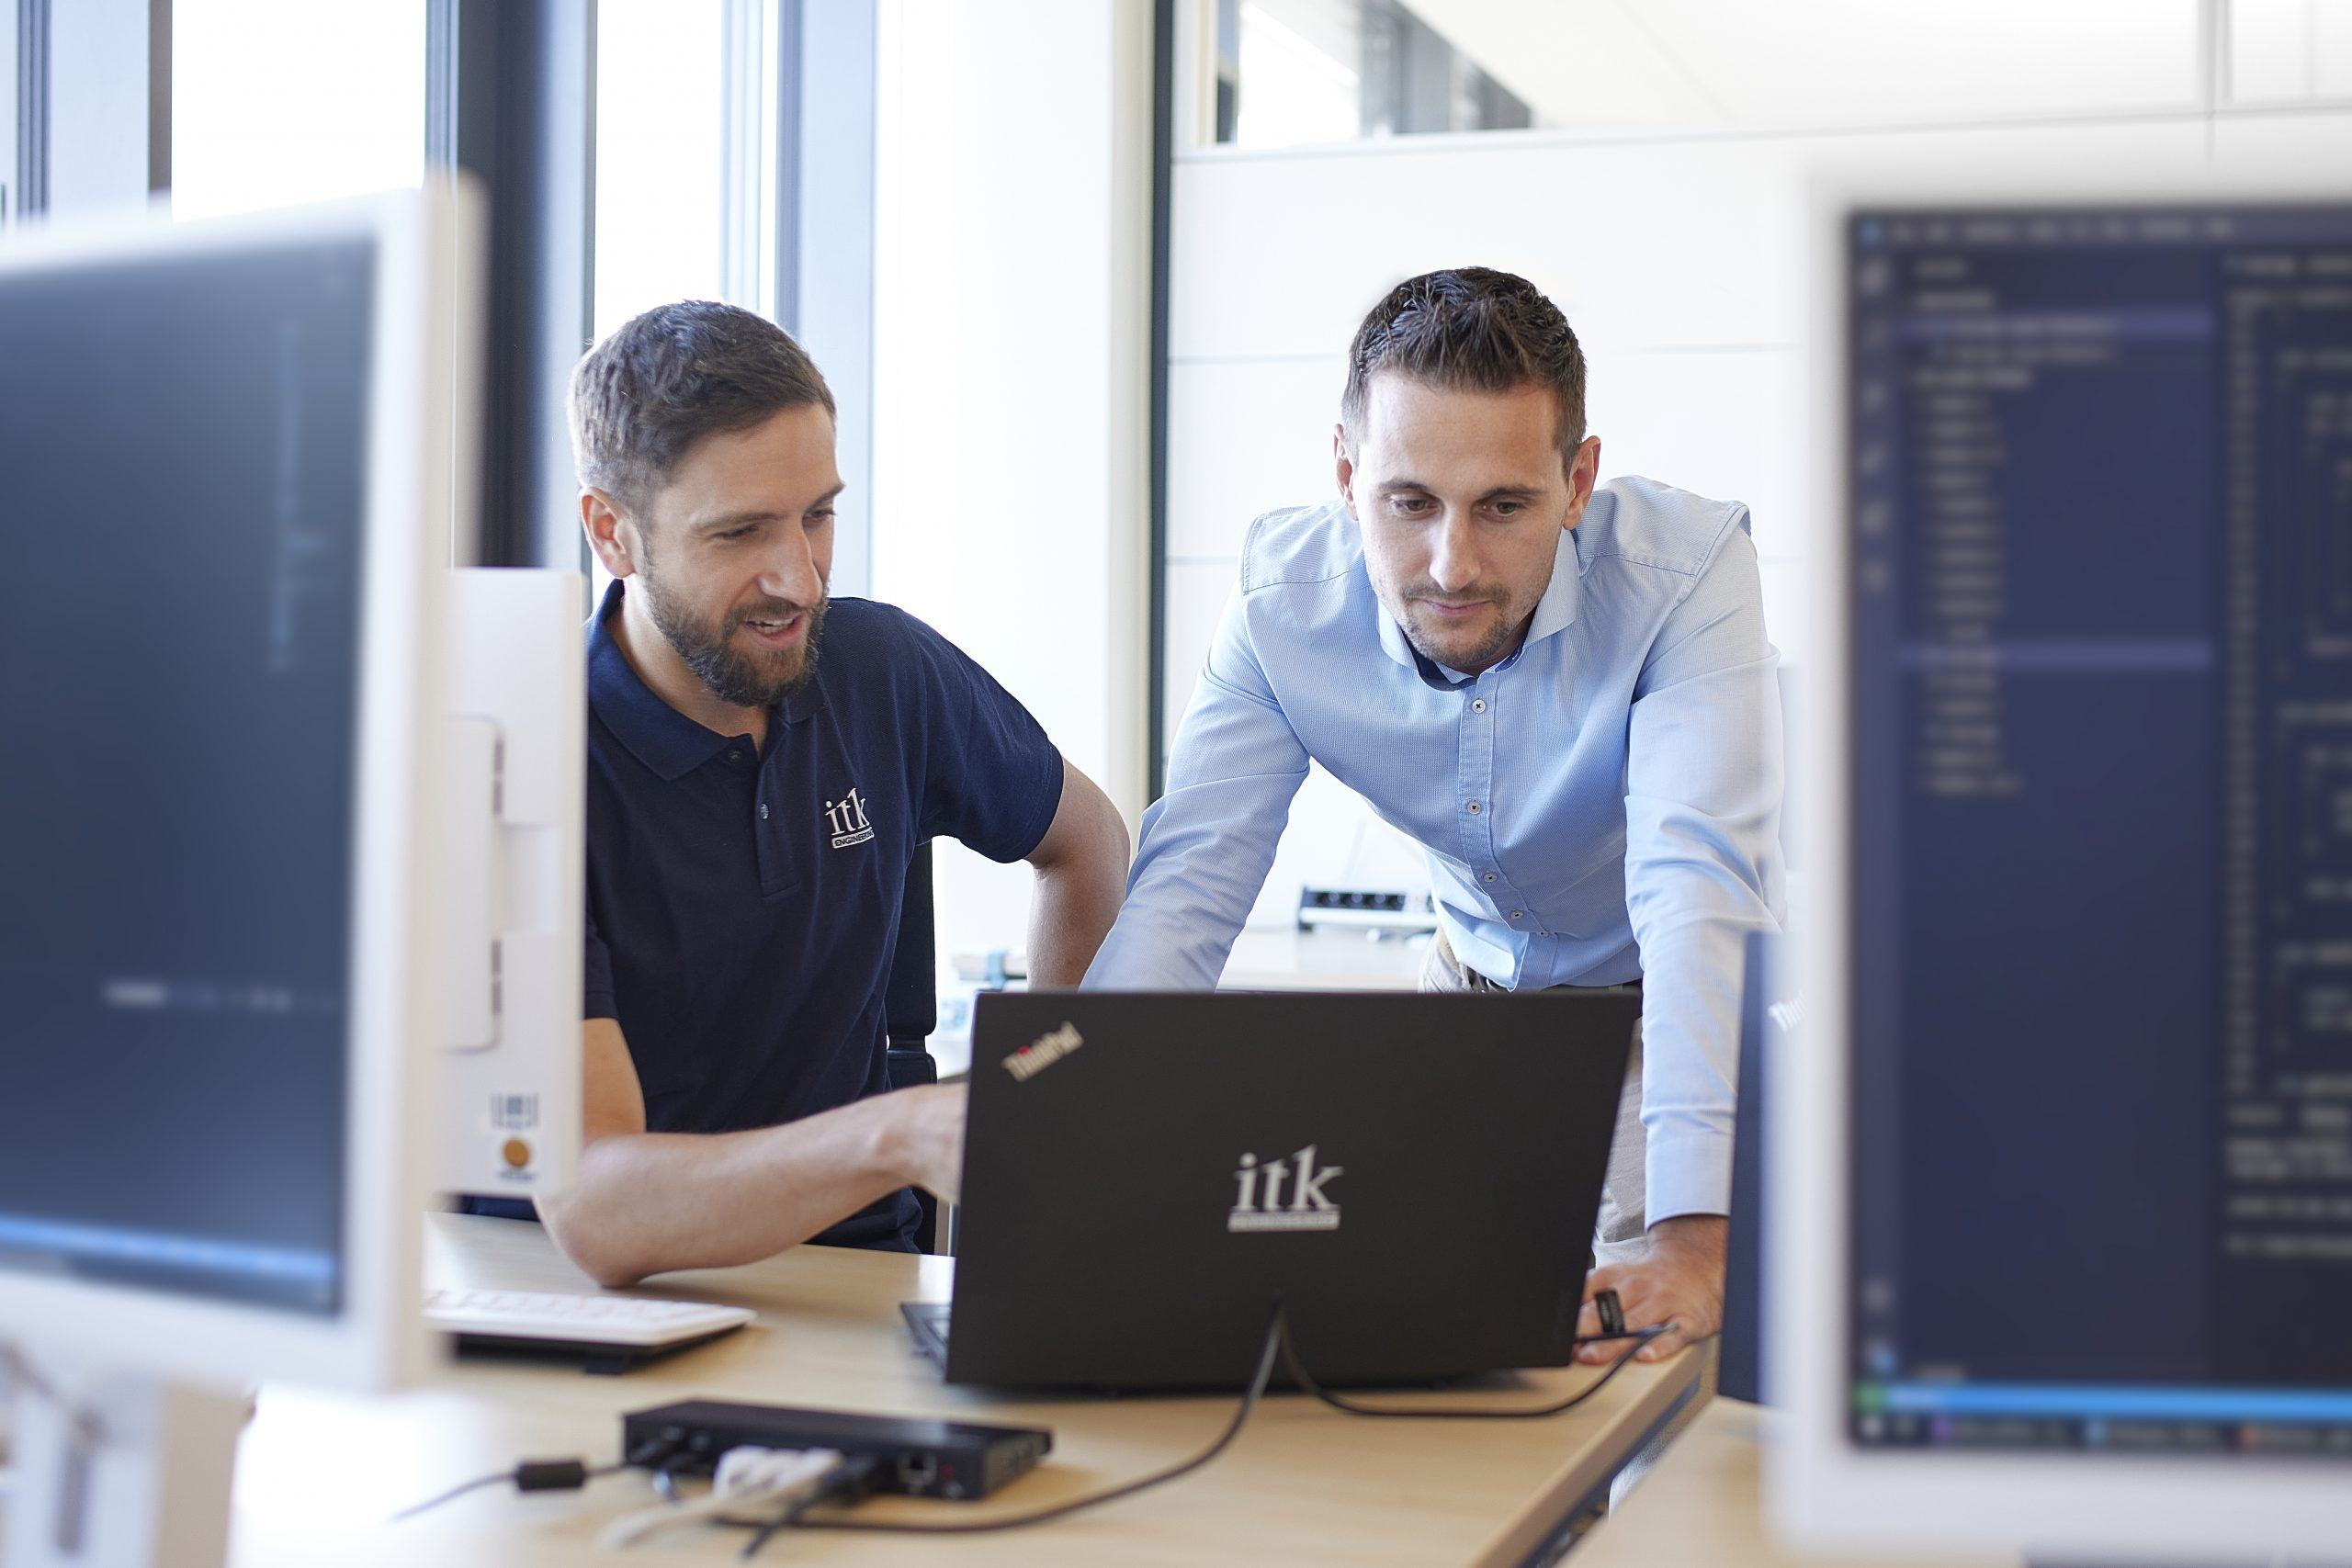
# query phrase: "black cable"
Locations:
[[1278, 1339], [1467, 1412], [975, 1527], [852, 1481], [476, 1484], [546, 1475]]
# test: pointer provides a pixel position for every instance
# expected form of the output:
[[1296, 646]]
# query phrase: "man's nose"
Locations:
[[791, 571], [1453, 563]]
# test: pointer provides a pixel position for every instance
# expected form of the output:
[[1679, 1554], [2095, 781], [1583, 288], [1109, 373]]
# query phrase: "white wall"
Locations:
[[1012, 343], [1680, 262]]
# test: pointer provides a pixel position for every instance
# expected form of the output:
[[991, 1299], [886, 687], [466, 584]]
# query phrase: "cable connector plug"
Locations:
[[747, 1477], [551, 1475], [852, 1481]]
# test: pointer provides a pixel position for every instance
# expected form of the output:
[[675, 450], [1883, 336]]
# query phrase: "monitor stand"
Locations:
[[136, 1473]]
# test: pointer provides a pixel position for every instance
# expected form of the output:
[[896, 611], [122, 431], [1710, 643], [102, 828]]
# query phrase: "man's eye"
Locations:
[[819, 518], [743, 532], [1411, 505], [1509, 508]]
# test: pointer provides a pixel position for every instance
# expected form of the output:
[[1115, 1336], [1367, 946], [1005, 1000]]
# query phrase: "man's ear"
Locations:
[[1346, 467], [610, 534], [1584, 471]]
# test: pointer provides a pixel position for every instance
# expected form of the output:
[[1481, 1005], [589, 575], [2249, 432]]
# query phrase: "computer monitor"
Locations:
[[2064, 1181], [227, 484]]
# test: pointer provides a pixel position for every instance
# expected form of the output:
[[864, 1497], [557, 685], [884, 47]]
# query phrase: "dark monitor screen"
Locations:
[[182, 468], [2100, 515]]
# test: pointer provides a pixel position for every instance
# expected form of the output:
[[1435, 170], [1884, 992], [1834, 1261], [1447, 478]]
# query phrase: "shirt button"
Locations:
[[1519, 914], [735, 754], [764, 811], [1474, 808], [1479, 705], [1490, 876]]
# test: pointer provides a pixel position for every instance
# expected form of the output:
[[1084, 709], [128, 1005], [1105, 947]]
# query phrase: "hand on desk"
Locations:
[[1678, 1280]]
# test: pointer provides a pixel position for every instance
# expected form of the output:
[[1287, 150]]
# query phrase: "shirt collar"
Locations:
[[658, 735], [1563, 596]]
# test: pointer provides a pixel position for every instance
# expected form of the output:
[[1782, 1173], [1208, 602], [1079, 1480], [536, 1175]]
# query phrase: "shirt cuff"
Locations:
[[1686, 1173]]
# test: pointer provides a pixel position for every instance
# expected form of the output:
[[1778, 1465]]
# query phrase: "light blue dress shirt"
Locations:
[[1602, 805]]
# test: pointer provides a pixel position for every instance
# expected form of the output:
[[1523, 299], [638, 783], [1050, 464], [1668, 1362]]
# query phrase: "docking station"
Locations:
[[918, 1458]]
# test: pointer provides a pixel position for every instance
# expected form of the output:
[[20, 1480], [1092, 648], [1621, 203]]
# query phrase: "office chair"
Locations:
[[910, 1007]]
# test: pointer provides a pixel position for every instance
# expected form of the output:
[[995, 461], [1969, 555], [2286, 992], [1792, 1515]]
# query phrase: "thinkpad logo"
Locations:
[[1043, 1053], [846, 817], [1259, 1190]]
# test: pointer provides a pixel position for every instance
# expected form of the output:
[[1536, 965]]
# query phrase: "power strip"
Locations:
[[957, 1459], [1373, 909]]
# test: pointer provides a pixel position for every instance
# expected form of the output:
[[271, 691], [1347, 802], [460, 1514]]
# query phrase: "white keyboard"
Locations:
[[622, 1322]]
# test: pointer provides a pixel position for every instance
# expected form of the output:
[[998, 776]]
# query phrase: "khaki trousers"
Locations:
[[1619, 1231]]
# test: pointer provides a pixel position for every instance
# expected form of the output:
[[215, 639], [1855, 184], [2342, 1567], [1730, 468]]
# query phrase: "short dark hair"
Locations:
[[1474, 328], [666, 378]]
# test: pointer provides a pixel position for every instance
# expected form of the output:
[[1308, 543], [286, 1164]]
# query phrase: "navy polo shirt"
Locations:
[[743, 902]]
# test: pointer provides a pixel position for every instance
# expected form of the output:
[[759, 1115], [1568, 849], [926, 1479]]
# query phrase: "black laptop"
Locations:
[[1415, 1176]]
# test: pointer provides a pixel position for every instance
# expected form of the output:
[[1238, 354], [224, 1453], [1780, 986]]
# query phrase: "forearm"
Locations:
[[644, 1203], [1703, 873], [1693, 977], [1071, 913], [1206, 849]]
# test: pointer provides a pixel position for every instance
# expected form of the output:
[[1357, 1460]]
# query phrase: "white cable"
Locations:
[[749, 1479]]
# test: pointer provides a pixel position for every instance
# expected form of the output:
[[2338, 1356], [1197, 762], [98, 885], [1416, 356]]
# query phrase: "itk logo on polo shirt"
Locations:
[[847, 818], [1259, 1191]]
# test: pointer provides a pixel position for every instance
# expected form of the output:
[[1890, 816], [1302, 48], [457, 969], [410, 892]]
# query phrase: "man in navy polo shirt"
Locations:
[[753, 804]]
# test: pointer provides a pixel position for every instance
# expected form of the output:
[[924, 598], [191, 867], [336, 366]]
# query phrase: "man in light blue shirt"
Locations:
[[1562, 693]]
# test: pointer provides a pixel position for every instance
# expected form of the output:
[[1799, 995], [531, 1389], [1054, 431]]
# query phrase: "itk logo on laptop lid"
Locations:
[[1259, 1190], [1043, 1053]]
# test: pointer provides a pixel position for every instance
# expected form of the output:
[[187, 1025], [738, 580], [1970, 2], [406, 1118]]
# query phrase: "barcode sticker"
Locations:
[[513, 1113]]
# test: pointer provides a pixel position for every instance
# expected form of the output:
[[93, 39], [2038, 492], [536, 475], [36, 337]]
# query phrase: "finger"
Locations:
[[1602, 1346], [1665, 1345], [1589, 1321], [1641, 1303], [1605, 1278]]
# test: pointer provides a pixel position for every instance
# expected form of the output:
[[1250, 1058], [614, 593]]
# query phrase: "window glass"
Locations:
[[1301, 71], [282, 101], [1292, 72], [8, 201], [659, 71], [660, 226]]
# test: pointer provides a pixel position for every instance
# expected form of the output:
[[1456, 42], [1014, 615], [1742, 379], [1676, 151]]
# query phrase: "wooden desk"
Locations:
[[318, 1475], [1702, 1503], [1329, 959]]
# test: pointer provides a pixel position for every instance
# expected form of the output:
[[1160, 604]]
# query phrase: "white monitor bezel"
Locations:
[[376, 1339], [1824, 1489]]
